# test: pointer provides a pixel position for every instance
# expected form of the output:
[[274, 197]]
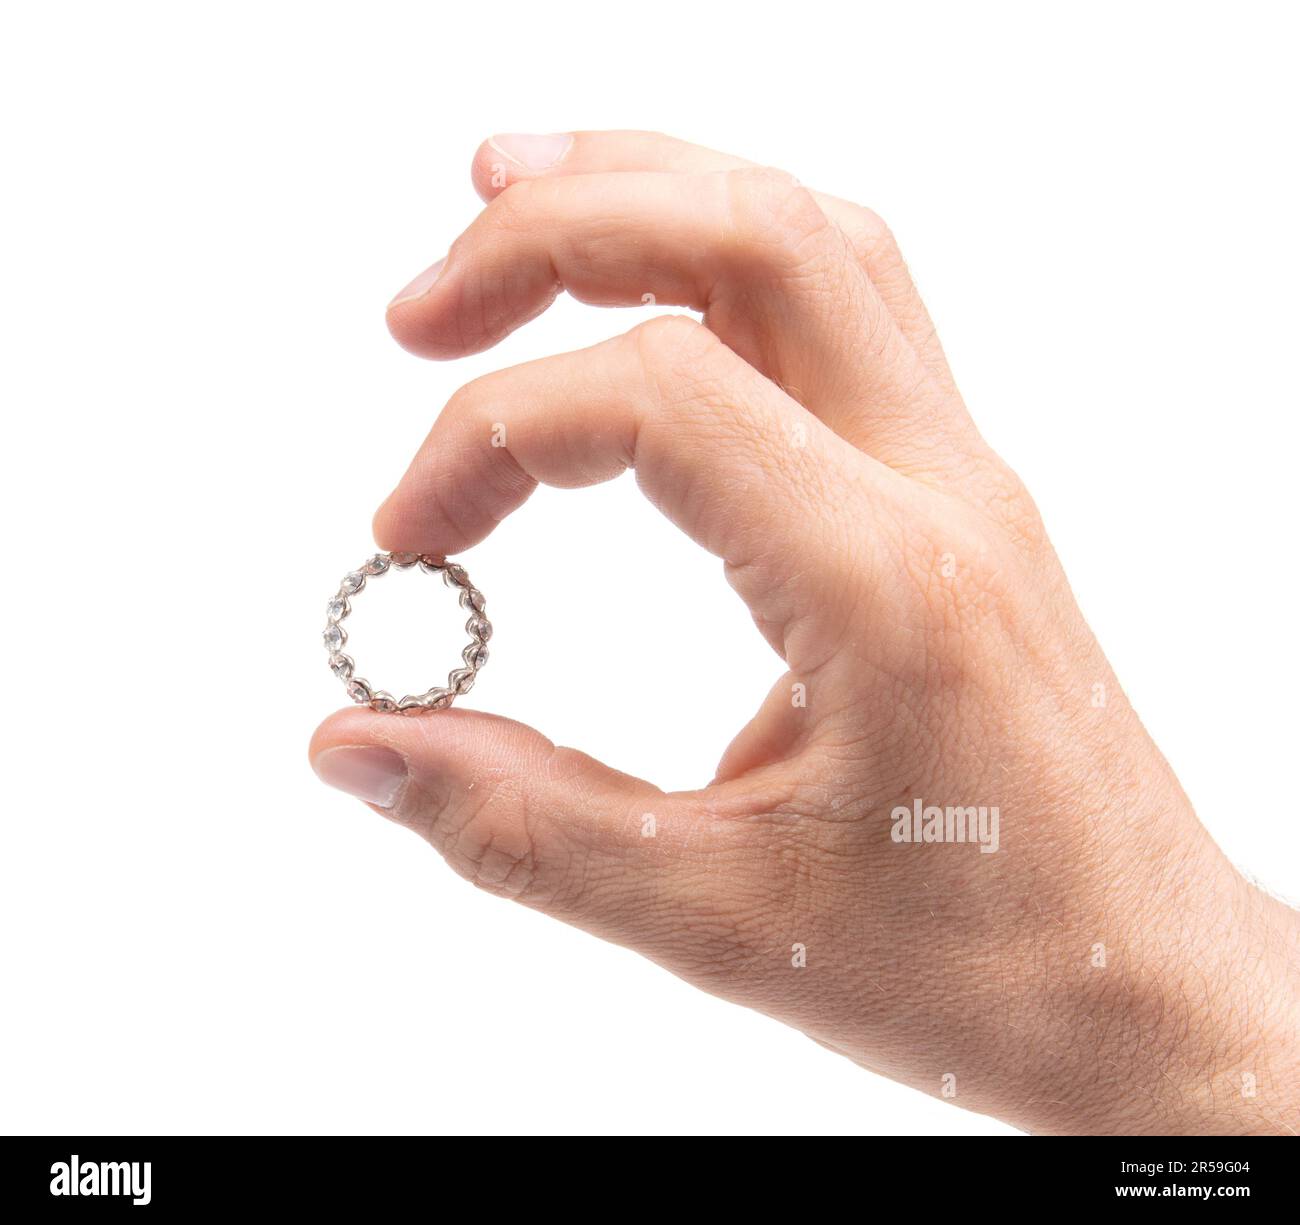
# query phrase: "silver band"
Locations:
[[459, 680]]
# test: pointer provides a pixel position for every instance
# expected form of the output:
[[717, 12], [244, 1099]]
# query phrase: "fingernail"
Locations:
[[532, 152], [376, 775], [421, 285]]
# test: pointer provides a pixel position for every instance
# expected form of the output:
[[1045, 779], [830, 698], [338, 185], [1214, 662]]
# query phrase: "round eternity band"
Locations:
[[459, 680]]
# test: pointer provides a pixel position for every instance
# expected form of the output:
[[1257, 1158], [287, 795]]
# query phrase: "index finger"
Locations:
[[793, 509]]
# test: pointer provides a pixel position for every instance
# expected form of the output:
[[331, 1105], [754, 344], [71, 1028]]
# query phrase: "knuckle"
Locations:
[[667, 342], [772, 212], [684, 366], [479, 402], [872, 239], [873, 223], [491, 842], [508, 839], [1017, 510], [974, 600], [466, 403], [1003, 501], [516, 208]]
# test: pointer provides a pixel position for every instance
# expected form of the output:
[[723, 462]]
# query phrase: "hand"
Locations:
[[1086, 960]]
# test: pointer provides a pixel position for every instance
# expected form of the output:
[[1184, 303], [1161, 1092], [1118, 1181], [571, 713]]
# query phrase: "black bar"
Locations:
[[365, 1175]]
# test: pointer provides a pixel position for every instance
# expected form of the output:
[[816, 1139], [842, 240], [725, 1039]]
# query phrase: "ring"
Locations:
[[459, 680]]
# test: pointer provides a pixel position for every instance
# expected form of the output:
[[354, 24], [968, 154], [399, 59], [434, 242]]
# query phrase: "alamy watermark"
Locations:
[[930, 823], [129, 1179]]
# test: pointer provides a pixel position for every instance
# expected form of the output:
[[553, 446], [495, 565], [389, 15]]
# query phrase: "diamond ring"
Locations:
[[459, 680]]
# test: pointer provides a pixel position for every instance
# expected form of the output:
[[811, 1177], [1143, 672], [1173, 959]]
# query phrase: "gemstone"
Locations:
[[341, 666], [404, 559], [383, 702], [439, 699], [475, 655], [479, 627], [377, 564], [334, 637], [359, 690], [337, 608], [454, 575], [410, 705], [430, 564], [352, 583], [472, 597]]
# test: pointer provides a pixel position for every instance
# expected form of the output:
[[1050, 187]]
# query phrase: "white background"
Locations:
[[206, 208]]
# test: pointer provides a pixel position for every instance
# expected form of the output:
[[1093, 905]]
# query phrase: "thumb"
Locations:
[[514, 814]]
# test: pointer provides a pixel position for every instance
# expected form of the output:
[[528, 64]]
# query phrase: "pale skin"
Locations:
[[1106, 969]]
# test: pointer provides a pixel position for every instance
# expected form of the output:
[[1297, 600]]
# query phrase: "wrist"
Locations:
[[1191, 1027]]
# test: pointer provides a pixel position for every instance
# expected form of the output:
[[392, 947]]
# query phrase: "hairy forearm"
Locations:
[[1188, 1025]]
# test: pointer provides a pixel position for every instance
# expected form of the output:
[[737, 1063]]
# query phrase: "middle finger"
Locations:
[[751, 249]]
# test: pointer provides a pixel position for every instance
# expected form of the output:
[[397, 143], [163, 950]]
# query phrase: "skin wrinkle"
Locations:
[[967, 689], [448, 513]]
